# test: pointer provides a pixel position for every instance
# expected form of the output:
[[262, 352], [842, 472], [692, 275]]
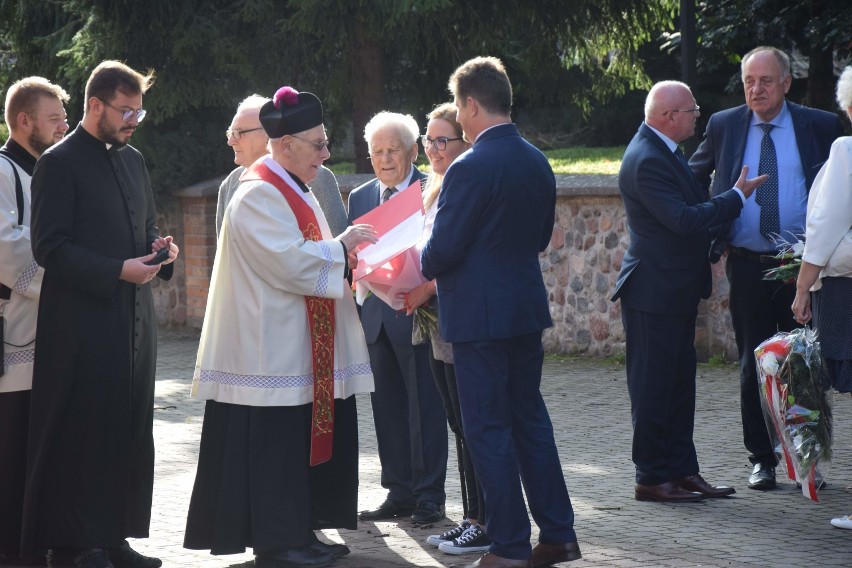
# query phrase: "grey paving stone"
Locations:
[[588, 403]]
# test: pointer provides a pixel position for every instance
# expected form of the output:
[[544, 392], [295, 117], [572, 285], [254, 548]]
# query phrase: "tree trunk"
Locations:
[[820, 89], [368, 88]]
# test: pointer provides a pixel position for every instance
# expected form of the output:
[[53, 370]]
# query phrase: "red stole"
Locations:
[[320, 319]]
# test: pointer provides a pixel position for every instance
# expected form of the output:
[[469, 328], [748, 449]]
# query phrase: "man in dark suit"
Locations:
[[411, 426], [495, 213], [664, 274], [790, 142]]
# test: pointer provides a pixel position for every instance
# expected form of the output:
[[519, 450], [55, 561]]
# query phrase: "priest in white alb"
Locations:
[[281, 356]]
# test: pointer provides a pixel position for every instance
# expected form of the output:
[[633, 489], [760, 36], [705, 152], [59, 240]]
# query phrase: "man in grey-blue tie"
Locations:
[[789, 143]]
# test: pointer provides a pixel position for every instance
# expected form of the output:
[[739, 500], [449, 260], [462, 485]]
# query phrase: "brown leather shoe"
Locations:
[[668, 492], [696, 483], [547, 554], [489, 560]]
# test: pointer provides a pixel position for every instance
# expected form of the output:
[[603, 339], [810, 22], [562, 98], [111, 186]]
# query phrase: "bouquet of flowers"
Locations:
[[795, 404], [790, 255], [425, 323]]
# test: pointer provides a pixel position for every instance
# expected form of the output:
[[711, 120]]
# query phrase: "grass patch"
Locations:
[[572, 160], [340, 168], [584, 160], [616, 360], [719, 360]]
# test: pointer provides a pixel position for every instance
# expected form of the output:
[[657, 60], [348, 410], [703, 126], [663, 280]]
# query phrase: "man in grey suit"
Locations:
[[789, 142], [411, 425]]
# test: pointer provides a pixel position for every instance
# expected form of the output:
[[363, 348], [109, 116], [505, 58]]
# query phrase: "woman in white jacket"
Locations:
[[827, 260]]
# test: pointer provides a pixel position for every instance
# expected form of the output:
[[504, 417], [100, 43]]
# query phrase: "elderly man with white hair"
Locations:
[[411, 425]]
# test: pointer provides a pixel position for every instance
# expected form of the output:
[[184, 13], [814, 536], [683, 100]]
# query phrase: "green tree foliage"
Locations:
[[359, 56], [818, 29]]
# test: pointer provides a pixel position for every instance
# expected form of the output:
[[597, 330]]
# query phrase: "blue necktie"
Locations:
[[767, 193]]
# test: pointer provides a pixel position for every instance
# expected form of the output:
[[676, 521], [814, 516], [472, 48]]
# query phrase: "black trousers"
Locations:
[[14, 426], [759, 309], [472, 497], [411, 425], [661, 381]]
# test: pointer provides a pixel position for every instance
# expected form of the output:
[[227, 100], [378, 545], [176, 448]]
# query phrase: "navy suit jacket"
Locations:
[[665, 269], [375, 313], [724, 143], [495, 214]]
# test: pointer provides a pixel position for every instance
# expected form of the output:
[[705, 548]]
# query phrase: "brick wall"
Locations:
[[198, 206]]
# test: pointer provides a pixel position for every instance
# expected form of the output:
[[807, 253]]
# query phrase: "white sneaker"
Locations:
[[473, 540], [437, 539], [844, 522]]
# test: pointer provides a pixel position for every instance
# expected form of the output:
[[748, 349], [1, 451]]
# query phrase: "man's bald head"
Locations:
[[671, 109]]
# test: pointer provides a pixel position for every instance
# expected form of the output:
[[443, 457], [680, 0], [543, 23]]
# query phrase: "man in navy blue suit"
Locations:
[[664, 274], [411, 425], [800, 138], [495, 214]]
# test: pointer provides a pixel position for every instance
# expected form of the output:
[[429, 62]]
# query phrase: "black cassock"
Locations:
[[90, 470]]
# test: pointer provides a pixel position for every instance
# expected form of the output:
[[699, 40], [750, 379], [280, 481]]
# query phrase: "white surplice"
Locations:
[[255, 346]]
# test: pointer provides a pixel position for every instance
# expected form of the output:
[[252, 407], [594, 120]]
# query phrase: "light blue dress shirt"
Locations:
[[792, 193]]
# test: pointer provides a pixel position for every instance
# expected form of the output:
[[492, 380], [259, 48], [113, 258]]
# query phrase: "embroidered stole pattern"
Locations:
[[320, 320]]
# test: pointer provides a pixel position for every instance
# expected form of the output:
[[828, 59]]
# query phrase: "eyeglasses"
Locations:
[[236, 134], [318, 146], [692, 110], [127, 114], [440, 143]]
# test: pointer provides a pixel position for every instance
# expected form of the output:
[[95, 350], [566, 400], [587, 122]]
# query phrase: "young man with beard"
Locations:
[[35, 113], [90, 464]]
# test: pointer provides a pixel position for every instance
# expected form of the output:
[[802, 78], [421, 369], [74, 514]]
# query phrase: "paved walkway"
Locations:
[[588, 403]]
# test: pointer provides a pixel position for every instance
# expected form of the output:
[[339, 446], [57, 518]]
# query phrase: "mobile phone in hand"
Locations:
[[162, 255]]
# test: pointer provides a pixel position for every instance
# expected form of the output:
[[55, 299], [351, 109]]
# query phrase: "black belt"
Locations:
[[761, 257]]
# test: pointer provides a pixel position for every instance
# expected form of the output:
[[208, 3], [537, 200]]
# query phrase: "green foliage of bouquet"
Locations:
[[790, 256], [424, 324]]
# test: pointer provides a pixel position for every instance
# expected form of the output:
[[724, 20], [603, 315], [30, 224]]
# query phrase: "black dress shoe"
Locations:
[[698, 484], [762, 478], [336, 550], [125, 557], [427, 512], [667, 492], [388, 510], [92, 558], [547, 554], [305, 557]]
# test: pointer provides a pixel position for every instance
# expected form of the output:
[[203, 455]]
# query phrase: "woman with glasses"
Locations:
[[443, 143]]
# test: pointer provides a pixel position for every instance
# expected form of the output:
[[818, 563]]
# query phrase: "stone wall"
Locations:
[[580, 268]]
